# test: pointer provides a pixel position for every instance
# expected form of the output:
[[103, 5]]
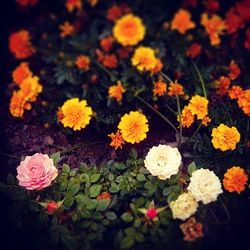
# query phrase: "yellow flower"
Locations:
[[198, 105], [116, 91], [225, 138], [144, 58], [76, 114], [160, 88], [133, 127], [129, 30]]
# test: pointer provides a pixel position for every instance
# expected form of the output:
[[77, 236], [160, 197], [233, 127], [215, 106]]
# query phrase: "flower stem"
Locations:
[[179, 115], [166, 77], [112, 76]]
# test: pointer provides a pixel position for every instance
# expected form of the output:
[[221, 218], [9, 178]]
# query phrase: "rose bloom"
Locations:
[[36, 172], [129, 30], [133, 127], [144, 59], [76, 114], [204, 185], [151, 213], [198, 105], [235, 179], [182, 21], [116, 91], [187, 118], [163, 161], [191, 230], [184, 206], [225, 138], [21, 72]]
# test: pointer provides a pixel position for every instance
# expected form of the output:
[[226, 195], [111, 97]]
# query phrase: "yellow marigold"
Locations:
[[18, 104], [116, 91], [187, 118], [198, 105], [244, 101], [175, 89], [21, 72], [144, 58], [133, 127], [67, 29], [76, 114], [73, 4], [182, 21], [20, 45], [235, 92], [129, 30], [235, 179], [82, 62], [117, 140], [160, 88], [225, 138], [214, 26]]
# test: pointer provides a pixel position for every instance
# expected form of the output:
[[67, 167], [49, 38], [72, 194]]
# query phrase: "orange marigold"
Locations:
[[107, 43], [194, 50], [233, 22], [26, 3], [116, 11], [235, 179], [222, 85], [187, 118], [158, 67], [110, 61], [244, 101], [160, 88], [206, 120], [175, 89], [104, 195], [73, 4], [234, 70], [82, 62], [116, 91], [198, 105], [214, 26], [20, 45], [191, 230], [21, 72], [182, 21], [235, 92], [67, 29], [117, 140]]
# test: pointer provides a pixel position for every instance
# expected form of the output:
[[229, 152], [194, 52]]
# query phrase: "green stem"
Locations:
[[166, 77], [179, 115], [201, 80], [195, 132], [158, 113], [112, 76], [11, 156]]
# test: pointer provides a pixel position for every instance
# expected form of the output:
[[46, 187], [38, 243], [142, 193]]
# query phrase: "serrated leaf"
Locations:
[[127, 217], [127, 242], [95, 190]]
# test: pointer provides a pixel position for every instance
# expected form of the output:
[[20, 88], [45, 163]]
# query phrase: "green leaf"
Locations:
[[127, 217], [92, 204], [127, 242], [66, 168], [141, 177], [68, 202], [74, 188], [56, 157], [111, 216], [166, 191], [120, 166], [139, 237], [82, 199], [102, 205], [191, 168], [133, 153], [130, 231], [95, 177], [95, 190], [114, 188]]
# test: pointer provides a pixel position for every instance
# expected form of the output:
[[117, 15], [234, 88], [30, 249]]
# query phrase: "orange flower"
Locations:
[[110, 61], [235, 179], [187, 118], [104, 196], [107, 43], [20, 45], [158, 67], [235, 92], [116, 91], [214, 26], [117, 140], [244, 102], [160, 88], [233, 22], [21, 72], [182, 21], [116, 11], [175, 89], [82, 62], [206, 120], [73, 4], [67, 29], [59, 114], [191, 230], [222, 85], [26, 3], [234, 70], [194, 50], [198, 105]]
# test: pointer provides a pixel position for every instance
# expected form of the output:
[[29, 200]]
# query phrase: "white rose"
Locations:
[[204, 185], [184, 206], [163, 161]]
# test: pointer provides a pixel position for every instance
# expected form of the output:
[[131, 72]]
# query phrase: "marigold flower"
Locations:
[[225, 138], [133, 127], [235, 92], [117, 140], [233, 22], [21, 72], [124, 52], [107, 43], [235, 179], [194, 50], [175, 89], [187, 118], [104, 196], [82, 62], [158, 67], [198, 105], [110, 61], [160, 88], [73, 4], [20, 45], [26, 3], [67, 29], [191, 230], [182, 21], [214, 26], [76, 114], [206, 120], [234, 70], [129, 30], [212, 6], [116, 91], [222, 85], [144, 59], [244, 101], [116, 11]]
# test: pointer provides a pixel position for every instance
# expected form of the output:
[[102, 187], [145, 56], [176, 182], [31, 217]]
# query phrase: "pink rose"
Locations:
[[36, 172]]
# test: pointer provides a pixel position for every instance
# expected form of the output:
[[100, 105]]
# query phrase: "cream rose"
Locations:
[[163, 161], [204, 185]]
